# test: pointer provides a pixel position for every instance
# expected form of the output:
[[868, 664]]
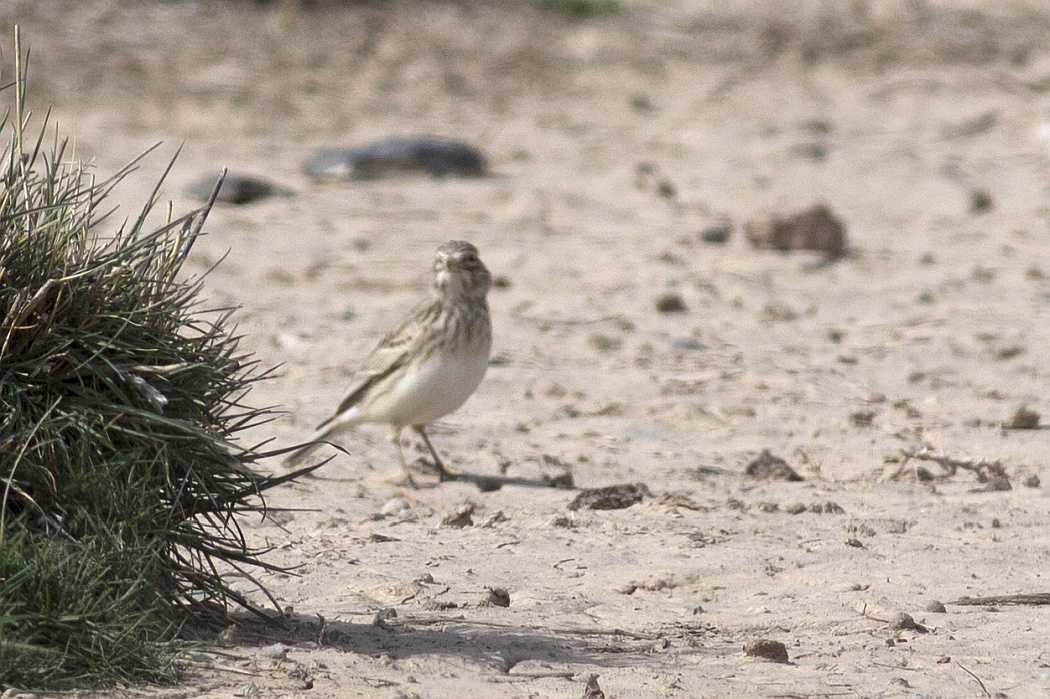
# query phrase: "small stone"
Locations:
[[996, 484], [981, 201], [563, 522], [862, 418], [765, 648], [393, 507], [560, 481], [437, 157], [768, 467], [592, 690], [276, 650], [670, 303], [1024, 419], [813, 150], [230, 636], [604, 343], [717, 234], [247, 690], [383, 616], [666, 189], [776, 312], [641, 103], [461, 517], [613, 497], [935, 607], [496, 597], [903, 622], [686, 343], [236, 189], [1032, 481], [816, 228]]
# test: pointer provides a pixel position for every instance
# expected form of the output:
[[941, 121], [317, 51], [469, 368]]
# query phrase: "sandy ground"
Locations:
[[615, 143]]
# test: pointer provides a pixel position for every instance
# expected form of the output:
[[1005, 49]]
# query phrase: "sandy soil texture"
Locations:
[[888, 379]]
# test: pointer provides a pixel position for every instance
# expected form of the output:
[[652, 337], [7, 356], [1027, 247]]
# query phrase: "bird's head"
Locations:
[[459, 272]]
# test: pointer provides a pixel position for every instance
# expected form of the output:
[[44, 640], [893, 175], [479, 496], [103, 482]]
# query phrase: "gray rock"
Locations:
[[434, 156]]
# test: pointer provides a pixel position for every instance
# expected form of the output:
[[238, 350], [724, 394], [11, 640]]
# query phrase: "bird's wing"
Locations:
[[392, 352]]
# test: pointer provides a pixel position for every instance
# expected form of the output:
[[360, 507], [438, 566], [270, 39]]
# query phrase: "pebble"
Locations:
[[436, 157], [236, 189], [670, 303], [717, 234], [816, 228], [277, 650], [768, 649], [686, 343], [613, 497], [398, 509]]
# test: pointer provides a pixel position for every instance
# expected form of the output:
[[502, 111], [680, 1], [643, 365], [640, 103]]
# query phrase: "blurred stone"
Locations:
[[1024, 419], [613, 497], [767, 649], [816, 228], [981, 201], [670, 303], [437, 157], [236, 189], [717, 234], [768, 467]]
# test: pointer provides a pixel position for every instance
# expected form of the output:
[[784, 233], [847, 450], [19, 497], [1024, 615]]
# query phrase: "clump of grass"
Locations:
[[121, 403], [76, 613]]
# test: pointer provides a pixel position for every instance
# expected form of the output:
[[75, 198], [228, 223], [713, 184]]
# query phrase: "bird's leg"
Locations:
[[443, 473], [395, 437]]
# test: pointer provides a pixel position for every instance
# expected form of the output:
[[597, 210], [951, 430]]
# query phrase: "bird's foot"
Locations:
[[431, 468]]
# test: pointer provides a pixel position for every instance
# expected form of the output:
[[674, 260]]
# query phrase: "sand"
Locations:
[[615, 143]]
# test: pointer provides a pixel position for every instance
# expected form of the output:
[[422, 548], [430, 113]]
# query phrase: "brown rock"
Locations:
[[613, 497], [1024, 419], [816, 228], [765, 648], [592, 690], [768, 467]]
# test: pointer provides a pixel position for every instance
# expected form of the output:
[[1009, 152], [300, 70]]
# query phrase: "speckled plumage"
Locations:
[[430, 364]]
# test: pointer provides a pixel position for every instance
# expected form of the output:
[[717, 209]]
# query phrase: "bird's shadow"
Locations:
[[488, 484], [484, 483], [495, 645]]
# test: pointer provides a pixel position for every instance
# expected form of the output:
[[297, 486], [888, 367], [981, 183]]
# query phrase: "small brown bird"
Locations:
[[429, 365]]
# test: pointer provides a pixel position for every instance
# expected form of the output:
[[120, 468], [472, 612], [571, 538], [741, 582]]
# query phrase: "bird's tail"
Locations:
[[324, 432]]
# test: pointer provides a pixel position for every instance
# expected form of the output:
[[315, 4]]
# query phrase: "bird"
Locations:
[[429, 365]]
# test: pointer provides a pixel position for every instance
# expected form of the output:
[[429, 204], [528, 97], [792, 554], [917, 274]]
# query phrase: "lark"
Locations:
[[429, 365]]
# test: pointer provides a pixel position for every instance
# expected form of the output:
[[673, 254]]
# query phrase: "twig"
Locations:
[[976, 679], [224, 668], [983, 468]]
